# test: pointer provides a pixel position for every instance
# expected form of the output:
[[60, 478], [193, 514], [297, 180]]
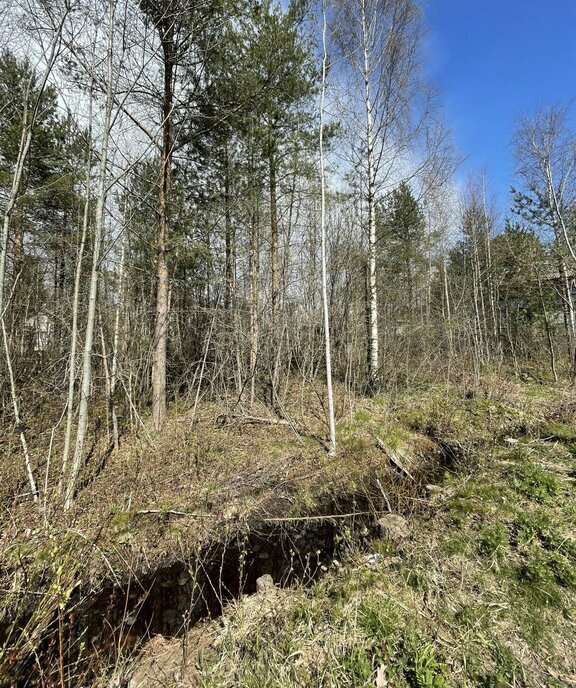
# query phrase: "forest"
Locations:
[[287, 398]]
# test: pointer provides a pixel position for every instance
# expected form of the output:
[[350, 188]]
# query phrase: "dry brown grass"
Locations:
[[164, 499], [452, 606]]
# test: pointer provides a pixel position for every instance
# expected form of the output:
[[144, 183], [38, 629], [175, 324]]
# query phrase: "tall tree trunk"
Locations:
[[373, 336], [276, 334], [18, 249], [23, 150], [78, 458], [274, 239], [328, 349], [17, 417], [116, 344], [10, 207], [254, 267], [478, 299], [76, 307], [162, 276], [25, 141], [229, 238], [495, 338], [569, 316], [548, 331]]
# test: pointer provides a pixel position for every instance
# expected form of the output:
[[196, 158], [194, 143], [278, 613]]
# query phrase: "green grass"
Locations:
[[534, 483], [483, 595]]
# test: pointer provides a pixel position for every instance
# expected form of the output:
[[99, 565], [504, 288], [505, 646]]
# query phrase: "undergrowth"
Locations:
[[482, 594]]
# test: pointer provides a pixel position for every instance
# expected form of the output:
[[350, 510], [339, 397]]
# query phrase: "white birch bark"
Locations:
[[75, 309], [373, 335], [116, 343], [330, 394], [77, 460], [17, 418], [23, 151]]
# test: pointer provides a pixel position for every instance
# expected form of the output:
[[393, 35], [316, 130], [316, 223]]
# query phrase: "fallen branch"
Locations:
[[279, 519], [329, 517], [171, 512], [251, 420], [384, 495], [392, 457]]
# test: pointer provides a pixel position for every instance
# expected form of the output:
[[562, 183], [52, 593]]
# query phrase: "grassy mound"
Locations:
[[481, 593]]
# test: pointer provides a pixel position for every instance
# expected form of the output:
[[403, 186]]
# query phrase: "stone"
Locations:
[[381, 680], [394, 527], [371, 559], [264, 583]]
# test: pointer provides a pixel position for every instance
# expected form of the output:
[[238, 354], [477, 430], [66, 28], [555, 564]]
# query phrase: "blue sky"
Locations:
[[495, 60]]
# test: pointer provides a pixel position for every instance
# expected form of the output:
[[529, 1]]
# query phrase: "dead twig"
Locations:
[[171, 512], [328, 517], [229, 419]]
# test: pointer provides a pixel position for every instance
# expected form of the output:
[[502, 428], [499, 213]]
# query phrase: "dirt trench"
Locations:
[[98, 628]]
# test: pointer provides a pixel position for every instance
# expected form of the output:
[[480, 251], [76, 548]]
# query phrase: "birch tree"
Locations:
[[97, 235], [76, 301], [545, 151], [325, 305], [379, 44], [30, 114]]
